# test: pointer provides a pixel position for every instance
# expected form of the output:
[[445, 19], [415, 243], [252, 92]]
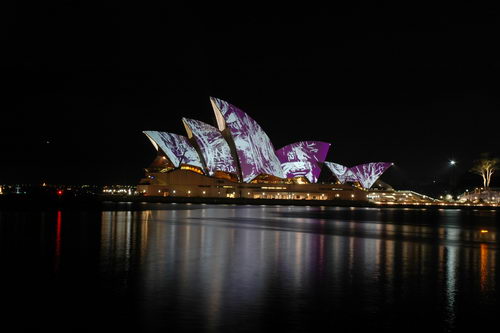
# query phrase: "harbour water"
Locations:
[[229, 268]]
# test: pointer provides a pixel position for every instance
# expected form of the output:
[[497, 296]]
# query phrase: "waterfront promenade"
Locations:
[[95, 201]]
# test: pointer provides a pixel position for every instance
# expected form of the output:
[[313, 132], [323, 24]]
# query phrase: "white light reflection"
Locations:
[[210, 261], [451, 261]]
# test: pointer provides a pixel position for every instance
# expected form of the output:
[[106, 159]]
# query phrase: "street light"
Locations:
[[453, 164]]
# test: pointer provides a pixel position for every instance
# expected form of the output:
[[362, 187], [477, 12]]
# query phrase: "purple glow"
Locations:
[[213, 146], [303, 158], [255, 150], [177, 148], [367, 174]]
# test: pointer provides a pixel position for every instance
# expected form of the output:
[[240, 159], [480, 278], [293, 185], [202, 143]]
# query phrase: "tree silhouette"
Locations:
[[485, 167]]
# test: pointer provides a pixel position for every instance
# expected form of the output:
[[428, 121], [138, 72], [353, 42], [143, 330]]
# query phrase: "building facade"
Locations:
[[236, 159]]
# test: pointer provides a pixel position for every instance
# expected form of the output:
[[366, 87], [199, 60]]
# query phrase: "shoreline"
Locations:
[[102, 202]]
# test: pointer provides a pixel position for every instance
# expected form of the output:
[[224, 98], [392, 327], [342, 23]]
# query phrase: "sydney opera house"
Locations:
[[236, 159]]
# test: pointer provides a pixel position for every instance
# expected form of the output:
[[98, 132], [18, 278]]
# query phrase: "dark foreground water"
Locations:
[[203, 268]]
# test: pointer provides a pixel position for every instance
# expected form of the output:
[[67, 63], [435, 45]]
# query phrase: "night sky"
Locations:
[[413, 84]]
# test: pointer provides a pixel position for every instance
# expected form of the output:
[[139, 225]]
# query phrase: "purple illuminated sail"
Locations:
[[303, 159], [253, 147], [367, 174], [213, 146], [177, 148], [343, 173]]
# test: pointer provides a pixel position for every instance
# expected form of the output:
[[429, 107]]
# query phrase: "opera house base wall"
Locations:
[[185, 183]]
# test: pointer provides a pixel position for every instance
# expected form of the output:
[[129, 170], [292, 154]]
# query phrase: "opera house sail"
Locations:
[[214, 149], [341, 172], [176, 147], [366, 174], [255, 151], [236, 159], [303, 159]]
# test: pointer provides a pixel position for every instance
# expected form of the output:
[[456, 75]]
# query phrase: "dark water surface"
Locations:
[[208, 268]]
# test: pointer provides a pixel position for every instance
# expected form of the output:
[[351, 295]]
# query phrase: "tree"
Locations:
[[485, 167]]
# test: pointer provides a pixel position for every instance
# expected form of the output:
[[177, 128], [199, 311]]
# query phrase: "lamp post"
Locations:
[[453, 164]]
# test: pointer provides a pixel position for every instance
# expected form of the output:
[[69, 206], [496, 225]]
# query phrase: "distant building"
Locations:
[[238, 160], [393, 197], [479, 195]]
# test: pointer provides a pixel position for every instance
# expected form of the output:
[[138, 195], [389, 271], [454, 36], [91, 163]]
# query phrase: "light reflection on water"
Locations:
[[255, 268], [222, 265]]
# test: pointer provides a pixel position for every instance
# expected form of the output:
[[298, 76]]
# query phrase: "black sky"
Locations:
[[413, 84]]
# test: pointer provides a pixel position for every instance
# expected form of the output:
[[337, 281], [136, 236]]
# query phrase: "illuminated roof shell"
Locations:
[[343, 173], [254, 149], [303, 159], [214, 148], [177, 148], [367, 174]]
